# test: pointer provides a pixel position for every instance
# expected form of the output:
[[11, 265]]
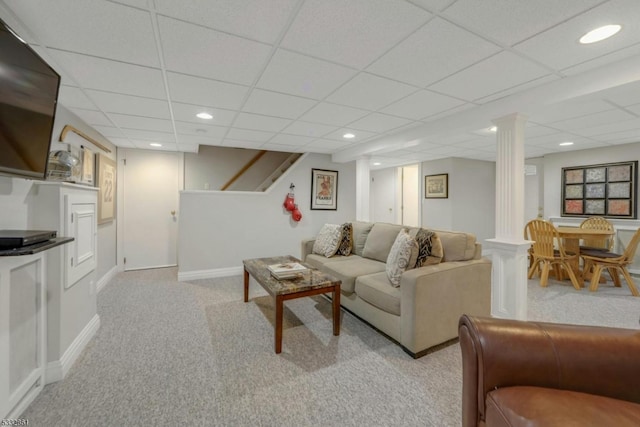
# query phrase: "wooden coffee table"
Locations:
[[312, 282]]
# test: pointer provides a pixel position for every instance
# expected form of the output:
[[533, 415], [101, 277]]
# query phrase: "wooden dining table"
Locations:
[[572, 236]]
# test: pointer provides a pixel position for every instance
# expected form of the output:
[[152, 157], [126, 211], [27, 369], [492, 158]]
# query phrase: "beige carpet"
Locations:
[[171, 353]]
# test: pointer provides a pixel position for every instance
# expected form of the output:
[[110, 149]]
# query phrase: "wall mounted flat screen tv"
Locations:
[[28, 95]]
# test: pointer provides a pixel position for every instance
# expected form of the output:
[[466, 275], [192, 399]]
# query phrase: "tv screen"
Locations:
[[28, 95]]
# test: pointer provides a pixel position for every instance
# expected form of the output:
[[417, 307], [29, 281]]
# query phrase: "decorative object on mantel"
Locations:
[[106, 173], [324, 189], [436, 186], [606, 190], [61, 164]]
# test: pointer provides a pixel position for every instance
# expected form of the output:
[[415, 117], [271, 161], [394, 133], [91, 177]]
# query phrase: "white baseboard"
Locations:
[[58, 369], [106, 278], [209, 274]]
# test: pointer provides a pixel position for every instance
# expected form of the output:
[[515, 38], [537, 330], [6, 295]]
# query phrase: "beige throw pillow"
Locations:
[[328, 240], [402, 257]]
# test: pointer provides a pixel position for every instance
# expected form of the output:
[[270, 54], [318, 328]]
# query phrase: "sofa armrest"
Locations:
[[306, 247], [502, 353], [433, 298]]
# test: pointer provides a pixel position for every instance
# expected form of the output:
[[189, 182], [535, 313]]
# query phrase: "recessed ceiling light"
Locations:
[[348, 136], [377, 164], [600, 34], [493, 129], [155, 144], [566, 143], [204, 115]]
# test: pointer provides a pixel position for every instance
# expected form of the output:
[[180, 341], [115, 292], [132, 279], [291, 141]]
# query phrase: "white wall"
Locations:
[[553, 164], [217, 230], [534, 190], [438, 213]]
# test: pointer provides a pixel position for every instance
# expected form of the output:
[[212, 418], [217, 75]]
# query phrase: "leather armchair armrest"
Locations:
[[502, 353]]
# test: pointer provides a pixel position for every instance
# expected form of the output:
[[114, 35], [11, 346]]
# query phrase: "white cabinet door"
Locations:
[[81, 225]]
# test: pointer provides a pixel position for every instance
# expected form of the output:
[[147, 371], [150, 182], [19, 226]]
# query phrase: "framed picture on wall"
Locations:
[[606, 190], [436, 186], [106, 173], [324, 189]]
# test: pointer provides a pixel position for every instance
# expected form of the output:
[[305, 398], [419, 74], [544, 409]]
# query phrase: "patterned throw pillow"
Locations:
[[346, 242], [429, 248], [328, 240], [402, 257]]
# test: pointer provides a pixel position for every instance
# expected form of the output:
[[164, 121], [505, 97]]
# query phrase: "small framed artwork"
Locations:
[[324, 189], [106, 173], [606, 190], [436, 186]]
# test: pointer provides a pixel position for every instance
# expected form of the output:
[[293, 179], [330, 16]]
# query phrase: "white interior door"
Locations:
[[151, 182]]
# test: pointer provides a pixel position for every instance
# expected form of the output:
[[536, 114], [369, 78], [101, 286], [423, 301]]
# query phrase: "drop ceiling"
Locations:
[[412, 80]]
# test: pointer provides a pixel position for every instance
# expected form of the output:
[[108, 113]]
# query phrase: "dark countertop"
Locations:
[[36, 247]]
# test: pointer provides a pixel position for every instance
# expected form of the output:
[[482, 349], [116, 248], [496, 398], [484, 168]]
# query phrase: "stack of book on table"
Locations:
[[287, 270]]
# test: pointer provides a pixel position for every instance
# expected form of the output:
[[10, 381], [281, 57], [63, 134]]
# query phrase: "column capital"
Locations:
[[510, 118]]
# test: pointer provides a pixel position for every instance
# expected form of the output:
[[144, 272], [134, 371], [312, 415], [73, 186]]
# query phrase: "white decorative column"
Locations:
[[509, 248], [363, 182]]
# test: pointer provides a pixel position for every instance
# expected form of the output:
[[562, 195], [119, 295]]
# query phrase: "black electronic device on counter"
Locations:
[[10, 239]]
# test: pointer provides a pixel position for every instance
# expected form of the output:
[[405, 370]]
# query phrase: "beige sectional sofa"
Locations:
[[424, 311]]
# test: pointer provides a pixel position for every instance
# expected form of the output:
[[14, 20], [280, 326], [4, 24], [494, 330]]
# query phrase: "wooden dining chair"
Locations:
[[597, 223], [599, 260], [548, 251]]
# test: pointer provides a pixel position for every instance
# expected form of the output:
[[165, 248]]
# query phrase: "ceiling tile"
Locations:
[[97, 28], [333, 114], [581, 125], [73, 97], [196, 139], [500, 72], [422, 104], [195, 50], [568, 110], [249, 135], [125, 104], [603, 60], [276, 104], [91, 117], [197, 90], [187, 113], [360, 135], [285, 139], [260, 122], [279, 147], [425, 56], [510, 22], [147, 135], [618, 122], [623, 95], [379, 123], [296, 74], [109, 131], [166, 146], [242, 144], [112, 76], [326, 145], [121, 142], [313, 130], [567, 51], [200, 129], [370, 92], [432, 5], [144, 123], [255, 19], [352, 32]]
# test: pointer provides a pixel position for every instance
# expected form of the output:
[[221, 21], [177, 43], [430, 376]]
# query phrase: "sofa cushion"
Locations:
[[457, 246], [316, 261], [361, 231], [380, 239], [375, 289], [346, 240], [402, 257], [349, 269], [328, 240], [537, 406], [429, 247]]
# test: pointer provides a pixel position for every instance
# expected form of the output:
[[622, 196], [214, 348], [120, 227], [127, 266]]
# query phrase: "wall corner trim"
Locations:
[[209, 274], [106, 279]]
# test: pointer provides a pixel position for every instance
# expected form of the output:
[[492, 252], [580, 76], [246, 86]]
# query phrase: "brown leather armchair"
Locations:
[[518, 373]]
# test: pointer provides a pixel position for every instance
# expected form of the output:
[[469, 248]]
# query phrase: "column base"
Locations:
[[509, 277]]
